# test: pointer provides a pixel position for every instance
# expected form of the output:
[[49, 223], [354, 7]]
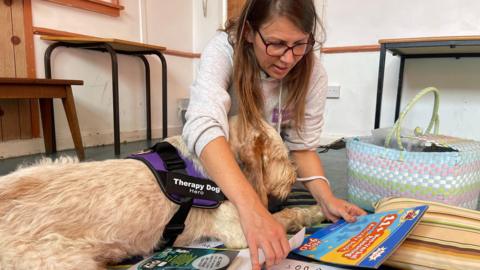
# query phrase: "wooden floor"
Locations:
[[91, 153]]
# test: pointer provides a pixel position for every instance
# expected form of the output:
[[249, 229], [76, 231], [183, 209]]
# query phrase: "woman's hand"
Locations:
[[263, 232], [335, 208]]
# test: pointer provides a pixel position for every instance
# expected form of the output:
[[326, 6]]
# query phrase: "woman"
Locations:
[[263, 67]]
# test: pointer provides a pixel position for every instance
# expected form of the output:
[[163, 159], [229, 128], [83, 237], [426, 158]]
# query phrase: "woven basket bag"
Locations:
[[450, 177]]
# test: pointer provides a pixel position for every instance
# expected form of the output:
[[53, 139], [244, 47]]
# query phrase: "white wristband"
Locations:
[[303, 179]]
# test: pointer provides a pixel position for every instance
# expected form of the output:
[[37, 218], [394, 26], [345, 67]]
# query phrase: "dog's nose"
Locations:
[[275, 204]]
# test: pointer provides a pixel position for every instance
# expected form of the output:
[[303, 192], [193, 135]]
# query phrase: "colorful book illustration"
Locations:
[[181, 258], [365, 243]]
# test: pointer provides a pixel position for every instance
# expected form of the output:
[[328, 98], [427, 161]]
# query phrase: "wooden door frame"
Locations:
[[26, 119], [31, 72], [234, 7]]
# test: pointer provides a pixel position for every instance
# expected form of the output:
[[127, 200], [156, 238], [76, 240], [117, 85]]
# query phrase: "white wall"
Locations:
[[183, 27], [205, 25], [351, 22], [170, 23]]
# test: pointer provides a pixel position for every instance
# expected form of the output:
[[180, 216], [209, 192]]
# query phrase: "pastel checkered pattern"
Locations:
[[375, 172]]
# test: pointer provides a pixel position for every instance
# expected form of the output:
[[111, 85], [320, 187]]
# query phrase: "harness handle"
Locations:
[[169, 155]]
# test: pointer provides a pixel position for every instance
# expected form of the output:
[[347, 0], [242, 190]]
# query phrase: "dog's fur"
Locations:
[[68, 215]]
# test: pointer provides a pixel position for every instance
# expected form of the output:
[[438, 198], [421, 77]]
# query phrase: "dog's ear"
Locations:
[[279, 173], [248, 152], [250, 157]]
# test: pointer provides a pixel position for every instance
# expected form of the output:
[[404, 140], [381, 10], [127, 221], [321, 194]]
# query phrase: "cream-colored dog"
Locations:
[[68, 215]]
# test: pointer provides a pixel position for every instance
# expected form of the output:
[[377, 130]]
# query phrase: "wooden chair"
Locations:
[[45, 90]]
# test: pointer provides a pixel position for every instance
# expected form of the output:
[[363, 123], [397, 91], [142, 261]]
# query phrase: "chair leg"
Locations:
[[46, 115], [70, 111]]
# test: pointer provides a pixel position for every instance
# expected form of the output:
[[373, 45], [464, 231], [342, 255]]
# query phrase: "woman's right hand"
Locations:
[[263, 232]]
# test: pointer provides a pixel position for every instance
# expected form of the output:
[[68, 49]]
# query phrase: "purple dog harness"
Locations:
[[181, 183]]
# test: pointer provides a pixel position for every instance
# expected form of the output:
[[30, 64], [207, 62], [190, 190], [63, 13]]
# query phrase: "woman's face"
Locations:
[[278, 30]]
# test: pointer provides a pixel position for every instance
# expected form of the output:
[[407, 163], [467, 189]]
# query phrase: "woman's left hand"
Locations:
[[335, 208], [309, 164]]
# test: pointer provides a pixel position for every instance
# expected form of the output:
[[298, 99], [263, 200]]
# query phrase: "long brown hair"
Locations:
[[246, 71]]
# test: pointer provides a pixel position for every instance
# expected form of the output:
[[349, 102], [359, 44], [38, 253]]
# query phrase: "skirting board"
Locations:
[[17, 148]]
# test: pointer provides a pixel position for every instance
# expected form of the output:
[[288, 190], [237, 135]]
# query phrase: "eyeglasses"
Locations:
[[278, 49]]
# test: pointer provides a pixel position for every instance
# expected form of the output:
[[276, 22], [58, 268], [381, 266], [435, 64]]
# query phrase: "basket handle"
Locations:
[[434, 121]]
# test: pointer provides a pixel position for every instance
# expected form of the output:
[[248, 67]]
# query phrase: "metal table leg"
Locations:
[[381, 74], [147, 96], [116, 113], [164, 93], [399, 87], [48, 75], [105, 47]]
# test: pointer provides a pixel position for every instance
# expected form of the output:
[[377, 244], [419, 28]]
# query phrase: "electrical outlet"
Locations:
[[333, 91]]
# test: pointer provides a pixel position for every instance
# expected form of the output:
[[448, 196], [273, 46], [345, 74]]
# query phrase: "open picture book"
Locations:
[[365, 243]]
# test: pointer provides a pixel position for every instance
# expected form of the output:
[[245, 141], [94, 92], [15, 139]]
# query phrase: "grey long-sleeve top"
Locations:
[[212, 101]]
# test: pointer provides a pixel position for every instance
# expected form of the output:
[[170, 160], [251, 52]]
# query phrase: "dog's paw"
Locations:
[[235, 241], [293, 219], [309, 216], [315, 215]]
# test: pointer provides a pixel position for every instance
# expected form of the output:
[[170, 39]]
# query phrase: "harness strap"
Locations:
[[173, 162], [176, 225]]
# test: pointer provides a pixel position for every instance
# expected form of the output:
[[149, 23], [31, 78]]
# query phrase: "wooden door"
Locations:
[[18, 118], [234, 8]]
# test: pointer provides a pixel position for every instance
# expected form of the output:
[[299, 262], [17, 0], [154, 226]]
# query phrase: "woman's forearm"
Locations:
[[221, 166], [309, 165]]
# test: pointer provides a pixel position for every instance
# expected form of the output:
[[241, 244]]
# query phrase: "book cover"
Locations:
[[365, 243], [180, 258]]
